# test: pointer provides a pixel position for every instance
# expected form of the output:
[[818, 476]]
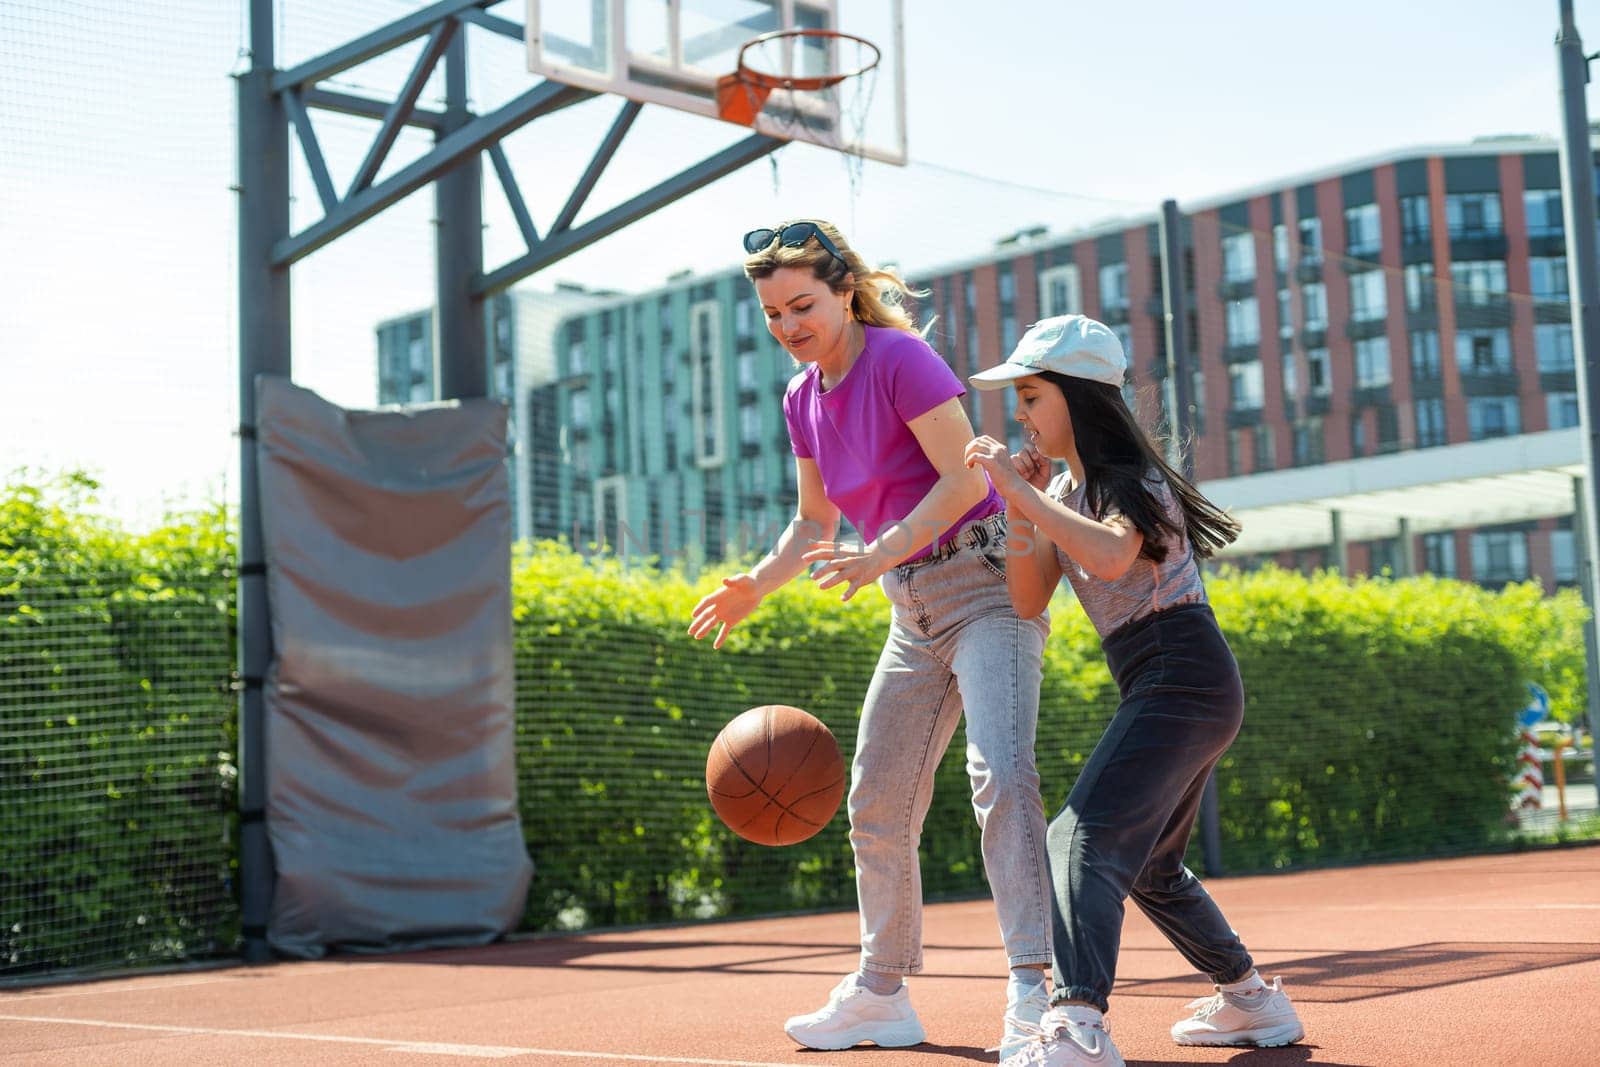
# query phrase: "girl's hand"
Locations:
[[854, 564], [725, 608], [1003, 468], [1033, 466]]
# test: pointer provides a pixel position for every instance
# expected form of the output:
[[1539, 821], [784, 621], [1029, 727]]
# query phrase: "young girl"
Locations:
[[1125, 529], [878, 432]]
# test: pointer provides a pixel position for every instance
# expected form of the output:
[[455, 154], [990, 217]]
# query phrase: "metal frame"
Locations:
[[271, 101]]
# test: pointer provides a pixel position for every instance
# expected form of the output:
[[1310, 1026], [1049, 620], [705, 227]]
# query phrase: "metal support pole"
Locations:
[[1408, 550], [1586, 582], [263, 188], [1577, 199], [1180, 385], [1180, 441], [462, 342], [1338, 557]]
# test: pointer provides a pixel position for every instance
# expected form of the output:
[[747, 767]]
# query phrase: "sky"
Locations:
[[118, 347]]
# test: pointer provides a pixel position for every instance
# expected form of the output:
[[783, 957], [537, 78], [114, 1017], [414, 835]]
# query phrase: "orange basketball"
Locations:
[[774, 775]]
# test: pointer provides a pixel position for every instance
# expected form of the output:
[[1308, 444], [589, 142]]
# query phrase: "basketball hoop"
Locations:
[[743, 94]]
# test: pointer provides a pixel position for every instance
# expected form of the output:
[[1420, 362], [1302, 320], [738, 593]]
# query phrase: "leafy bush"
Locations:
[[115, 726]]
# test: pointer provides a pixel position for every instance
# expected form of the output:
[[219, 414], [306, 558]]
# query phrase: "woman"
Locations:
[[1125, 530], [878, 432]]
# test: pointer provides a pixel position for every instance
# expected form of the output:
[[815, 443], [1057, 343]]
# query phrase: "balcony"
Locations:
[[1314, 336], [1480, 310], [1426, 388], [1236, 288], [1362, 329], [1309, 269], [1319, 403], [1245, 353], [1547, 244], [1488, 382], [1371, 396], [1239, 417], [1114, 314], [1477, 245], [1558, 381], [1552, 309]]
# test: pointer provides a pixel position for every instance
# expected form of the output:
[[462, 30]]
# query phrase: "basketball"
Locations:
[[775, 775]]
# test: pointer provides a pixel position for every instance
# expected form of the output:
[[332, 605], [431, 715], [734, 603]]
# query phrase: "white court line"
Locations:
[[100, 989], [429, 1048]]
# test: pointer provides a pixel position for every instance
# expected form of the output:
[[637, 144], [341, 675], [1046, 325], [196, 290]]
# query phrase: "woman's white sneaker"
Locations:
[[1062, 1041], [854, 1014], [1264, 1018]]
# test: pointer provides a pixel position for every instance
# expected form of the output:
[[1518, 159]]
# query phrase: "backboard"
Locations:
[[671, 52]]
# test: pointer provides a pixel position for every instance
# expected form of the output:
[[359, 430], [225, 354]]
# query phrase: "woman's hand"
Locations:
[[856, 565], [725, 608]]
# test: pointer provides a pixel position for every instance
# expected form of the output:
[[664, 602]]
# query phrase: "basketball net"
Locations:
[[812, 85]]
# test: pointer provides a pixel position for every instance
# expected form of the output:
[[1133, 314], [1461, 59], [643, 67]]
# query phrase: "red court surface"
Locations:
[[1484, 960]]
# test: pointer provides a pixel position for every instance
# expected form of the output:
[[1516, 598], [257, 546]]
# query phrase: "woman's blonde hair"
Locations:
[[878, 295]]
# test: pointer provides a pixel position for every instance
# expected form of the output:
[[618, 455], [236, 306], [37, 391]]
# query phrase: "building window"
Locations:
[[705, 362], [1310, 241], [1285, 314], [1561, 409], [1564, 554], [1425, 355], [1235, 453], [1239, 257], [1367, 300], [1372, 362], [1486, 351], [1114, 287], [750, 425], [1439, 554], [1416, 226], [1314, 300], [1280, 247], [1549, 277], [1124, 334], [1552, 341], [577, 359], [1245, 388], [1266, 454], [578, 409], [747, 371], [1419, 286], [1543, 207], [1318, 371], [1358, 435], [1058, 292], [1363, 237], [1430, 423], [1291, 375], [744, 320], [1499, 556], [1492, 416], [1479, 281], [1473, 215], [1307, 445], [1243, 322], [1007, 281]]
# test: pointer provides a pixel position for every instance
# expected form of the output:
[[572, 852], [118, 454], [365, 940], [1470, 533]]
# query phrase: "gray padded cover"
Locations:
[[390, 732]]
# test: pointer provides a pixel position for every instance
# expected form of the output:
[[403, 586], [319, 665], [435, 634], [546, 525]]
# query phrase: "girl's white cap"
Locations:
[[1074, 345]]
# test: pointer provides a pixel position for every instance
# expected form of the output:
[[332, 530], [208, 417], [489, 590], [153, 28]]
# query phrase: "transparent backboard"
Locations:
[[672, 52]]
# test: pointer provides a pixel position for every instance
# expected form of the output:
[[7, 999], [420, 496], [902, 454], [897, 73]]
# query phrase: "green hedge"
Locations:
[[1377, 726], [115, 723]]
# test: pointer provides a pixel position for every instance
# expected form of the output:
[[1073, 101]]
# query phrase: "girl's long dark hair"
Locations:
[[1119, 456]]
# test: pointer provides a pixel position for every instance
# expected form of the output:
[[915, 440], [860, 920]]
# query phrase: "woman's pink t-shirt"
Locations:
[[873, 468]]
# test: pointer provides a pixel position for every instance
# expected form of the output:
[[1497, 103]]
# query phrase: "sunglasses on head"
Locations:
[[791, 236]]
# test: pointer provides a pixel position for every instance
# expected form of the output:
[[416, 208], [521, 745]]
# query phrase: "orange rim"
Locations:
[[769, 82]]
